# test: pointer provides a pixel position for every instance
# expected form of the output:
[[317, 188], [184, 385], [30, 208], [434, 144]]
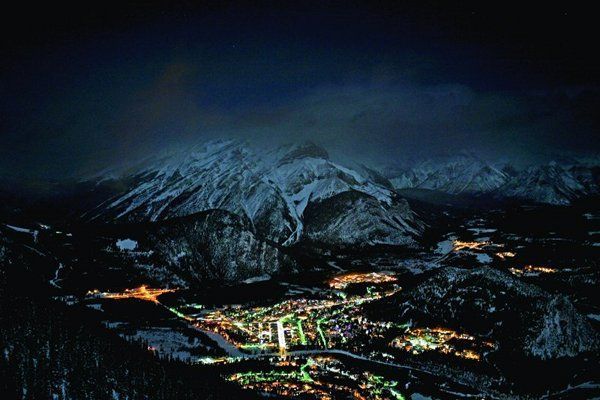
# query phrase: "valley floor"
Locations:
[[354, 325]]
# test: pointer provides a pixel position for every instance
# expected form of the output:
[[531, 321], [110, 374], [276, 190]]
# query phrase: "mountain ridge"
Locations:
[[271, 188]]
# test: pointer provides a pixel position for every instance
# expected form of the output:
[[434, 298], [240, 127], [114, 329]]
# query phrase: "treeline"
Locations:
[[50, 352]]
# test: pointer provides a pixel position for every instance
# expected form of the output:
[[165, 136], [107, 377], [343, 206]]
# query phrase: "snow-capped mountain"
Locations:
[[270, 188], [464, 173], [354, 217], [588, 176], [550, 184]]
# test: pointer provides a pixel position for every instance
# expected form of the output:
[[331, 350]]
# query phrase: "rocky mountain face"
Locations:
[[215, 245], [553, 183], [561, 331], [464, 173], [212, 246], [355, 218], [491, 303], [271, 189], [588, 176]]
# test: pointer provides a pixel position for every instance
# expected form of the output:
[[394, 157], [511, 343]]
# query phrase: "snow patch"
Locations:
[[483, 258], [127, 244], [260, 278], [95, 306], [595, 317], [18, 229], [479, 231], [419, 396], [54, 281]]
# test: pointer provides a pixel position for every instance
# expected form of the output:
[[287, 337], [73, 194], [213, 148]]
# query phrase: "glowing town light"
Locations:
[[460, 245], [442, 340], [140, 293], [281, 338], [530, 270], [503, 255], [313, 379], [342, 281]]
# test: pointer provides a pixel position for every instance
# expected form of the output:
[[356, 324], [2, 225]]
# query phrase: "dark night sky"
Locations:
[[89, 85]]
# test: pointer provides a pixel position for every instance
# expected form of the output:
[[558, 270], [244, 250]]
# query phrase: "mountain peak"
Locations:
[[305, 149], [270, 188]]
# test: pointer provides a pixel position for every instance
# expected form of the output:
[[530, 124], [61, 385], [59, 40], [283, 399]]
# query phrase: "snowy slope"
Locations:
[[193, 248], [270, 188], [549, 184], [354, 218], [464, 173], [552, 183], [484, 301]]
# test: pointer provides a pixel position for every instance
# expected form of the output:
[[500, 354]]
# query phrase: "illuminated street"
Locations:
[[459, 245], [531, 270], [140, 293], [295, 332], [445, 341], [322, 377], [342, 281], [336, 321]]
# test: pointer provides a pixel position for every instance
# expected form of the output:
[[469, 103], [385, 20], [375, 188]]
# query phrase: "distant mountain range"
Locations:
[[286, 195], [553, 183]]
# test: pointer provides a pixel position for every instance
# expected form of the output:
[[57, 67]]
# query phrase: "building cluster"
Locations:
[[503, 255], [442, 340], [301, 323], [459, 245], [342, 281], [320, 377], [141, 293], [280, 333], [531, 270]]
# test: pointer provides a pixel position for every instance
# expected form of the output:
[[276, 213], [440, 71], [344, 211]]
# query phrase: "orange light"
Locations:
[[460, 245], [141, 293], [342, 281]]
